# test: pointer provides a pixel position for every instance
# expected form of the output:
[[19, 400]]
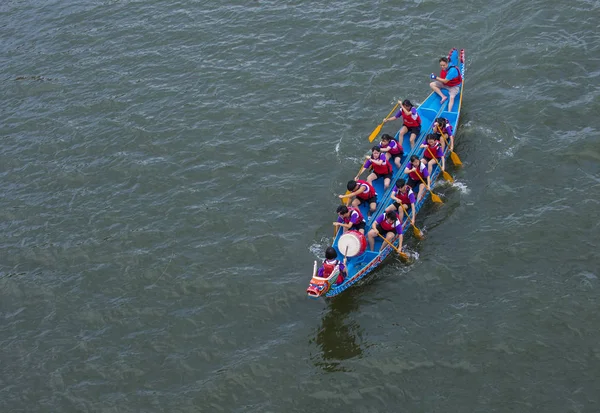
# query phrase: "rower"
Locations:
[[350, 219]]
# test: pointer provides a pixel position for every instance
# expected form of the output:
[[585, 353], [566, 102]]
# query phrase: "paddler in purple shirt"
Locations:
[[417, 174], [392, 149], [329, 265], [380, 167], [387, 225], [433, 149], [350, 218], [403, 196], [443, 132]]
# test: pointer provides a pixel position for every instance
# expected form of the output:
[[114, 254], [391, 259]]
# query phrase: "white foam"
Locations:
[[463, 188]]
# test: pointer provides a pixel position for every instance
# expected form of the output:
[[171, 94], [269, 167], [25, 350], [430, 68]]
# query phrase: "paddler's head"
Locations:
[[330, 253]]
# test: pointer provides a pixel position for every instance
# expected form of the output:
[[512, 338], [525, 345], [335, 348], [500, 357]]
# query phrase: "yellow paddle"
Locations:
[[402, 255], [376, 131], [445, 174], [453, 155], [416, 230], [434, 197]]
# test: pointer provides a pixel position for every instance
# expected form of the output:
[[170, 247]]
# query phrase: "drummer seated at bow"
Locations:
[[387, 225], [361, 192], [330, 264], [392, 149], [403, 197], [433, 153], [380, 167], [350, 219], [418, 176]]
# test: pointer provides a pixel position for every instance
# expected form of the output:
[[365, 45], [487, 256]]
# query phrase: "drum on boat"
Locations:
[[353, 243]]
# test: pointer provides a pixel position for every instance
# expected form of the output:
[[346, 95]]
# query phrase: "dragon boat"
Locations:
[[360, 261]]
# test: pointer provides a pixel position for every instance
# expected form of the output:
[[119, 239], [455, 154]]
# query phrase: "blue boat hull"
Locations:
[[360, 266]]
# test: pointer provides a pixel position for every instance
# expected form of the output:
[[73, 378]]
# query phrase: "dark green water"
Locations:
[[168, 175]]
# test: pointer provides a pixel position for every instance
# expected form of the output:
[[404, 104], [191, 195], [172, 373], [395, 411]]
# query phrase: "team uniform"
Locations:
[[383, 226], [413, 177], [369, 195], [356, 218], [329, 266], [395, 150], [382, 171], [406, 198], [440, 131], [433, 151], [411, 121]]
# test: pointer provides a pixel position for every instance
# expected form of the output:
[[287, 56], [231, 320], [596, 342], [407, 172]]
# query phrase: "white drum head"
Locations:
[[351, 242]]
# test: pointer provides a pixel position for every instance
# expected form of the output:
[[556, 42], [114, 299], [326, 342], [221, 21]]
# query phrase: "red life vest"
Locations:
[[418, 173], [431, 151], [397, 149], [369, 193], [328, 269], [404, 197], [353, 211], [409, 122], [452, 82], [386, 168], [447, 129], [389, 227]]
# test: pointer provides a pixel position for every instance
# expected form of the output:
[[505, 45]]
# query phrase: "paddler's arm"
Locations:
[[341, 224], [351, 194], [414, 213], [364, 168], [395, 116]]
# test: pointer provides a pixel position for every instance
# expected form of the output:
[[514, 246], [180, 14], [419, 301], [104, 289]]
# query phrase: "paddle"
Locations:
[[434, 197], [376, 131], [402, 255], [347, 201], [453, 155], [416, 230], [445, 174]]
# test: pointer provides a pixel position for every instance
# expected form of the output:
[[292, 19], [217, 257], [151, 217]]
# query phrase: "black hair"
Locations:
[[400, 183], [342, 209], [376, 148], [412, 158], [386, 137], [407, 103], [351, 185], [431, 136], [444, 59], [330, 253], [391, 215], [441, 122]]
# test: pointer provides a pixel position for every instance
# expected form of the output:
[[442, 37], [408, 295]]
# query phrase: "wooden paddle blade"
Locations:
[[436, 198], [455, 159], [447, 177], [417, 232], [403, 256], [375, 132]]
